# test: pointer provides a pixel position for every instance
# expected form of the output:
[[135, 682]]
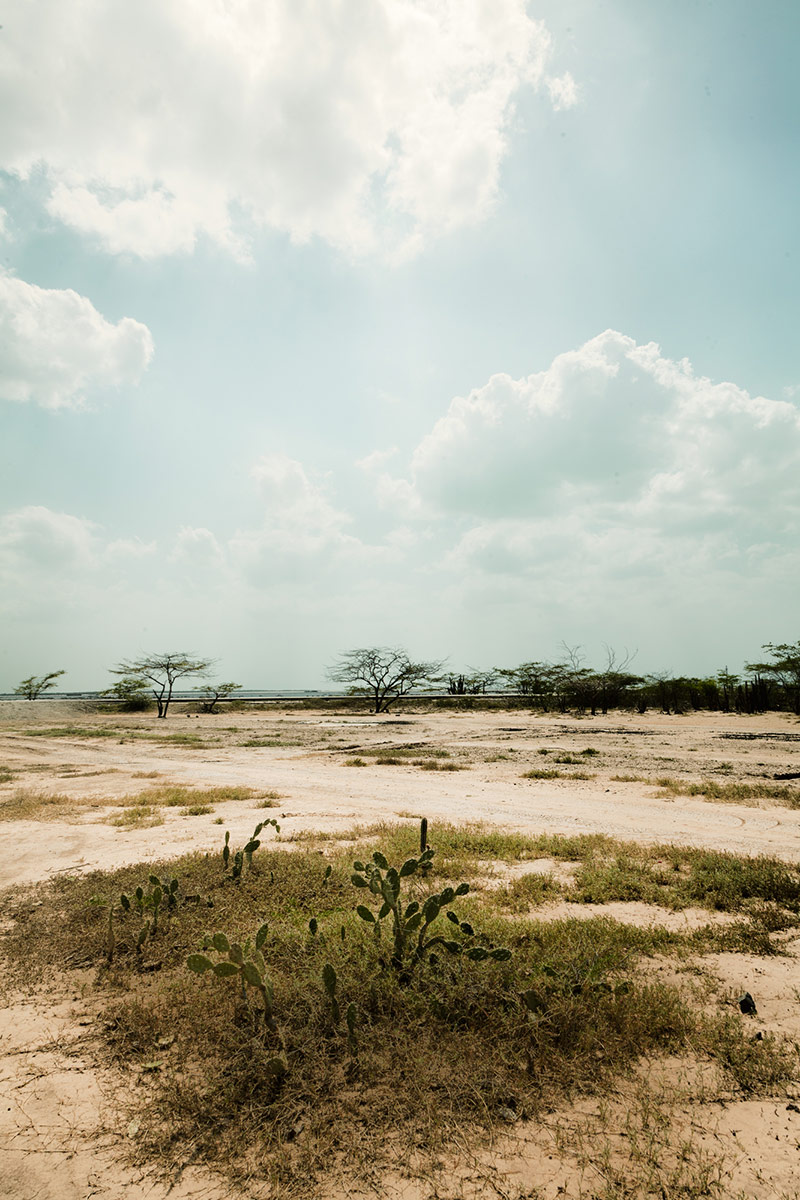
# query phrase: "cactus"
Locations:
[[329, 980], [243, 859], [411, 922], [350, 1021], [245, 962]]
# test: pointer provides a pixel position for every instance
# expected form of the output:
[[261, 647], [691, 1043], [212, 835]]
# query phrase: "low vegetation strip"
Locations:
[[285, 1005], [28, 804]]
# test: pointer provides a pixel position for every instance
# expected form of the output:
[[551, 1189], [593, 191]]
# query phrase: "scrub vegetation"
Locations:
[[388, 992]]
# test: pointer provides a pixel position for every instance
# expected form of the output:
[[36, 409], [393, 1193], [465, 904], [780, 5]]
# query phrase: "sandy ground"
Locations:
[[62, 1130]]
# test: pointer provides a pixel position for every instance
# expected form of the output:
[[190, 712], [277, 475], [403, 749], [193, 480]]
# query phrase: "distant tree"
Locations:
[[161, 672], [213, 692], [784, 668], [615, 680], [474, 683], [383, 673], [32, 687], [132, 693]]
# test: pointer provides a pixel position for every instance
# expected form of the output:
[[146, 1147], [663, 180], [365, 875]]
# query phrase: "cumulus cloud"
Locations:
[[615, 459], [358, 123], [36, 538], [55, 346]]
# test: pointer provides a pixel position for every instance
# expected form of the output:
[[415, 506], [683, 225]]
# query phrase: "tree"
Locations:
[[132, 693], [32, 687], [213, 692], [161, 672], [383, 673], [784, 669], [474, 683]]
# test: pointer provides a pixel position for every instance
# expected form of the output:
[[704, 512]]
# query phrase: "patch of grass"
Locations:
[[259, 743], [177, 796], [356, 762], [456, 1039], [140, 816], [680, 877], [72, 731], [146, 775], [590, 752], [25, 804], [552, 774], [629, 779], [753, 1067], [6, 775], [436, 764], [445, 1053], [525, 893], [731, 793], [196, 810]]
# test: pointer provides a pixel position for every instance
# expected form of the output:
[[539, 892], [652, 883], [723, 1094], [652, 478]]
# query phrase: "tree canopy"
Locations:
[[383, 673], [32, 687], [161, 671]]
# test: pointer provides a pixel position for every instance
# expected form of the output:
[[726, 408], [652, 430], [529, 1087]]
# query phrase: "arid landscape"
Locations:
[[645, 826]]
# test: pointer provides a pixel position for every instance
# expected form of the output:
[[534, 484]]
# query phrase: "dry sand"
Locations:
[[62, 1128]]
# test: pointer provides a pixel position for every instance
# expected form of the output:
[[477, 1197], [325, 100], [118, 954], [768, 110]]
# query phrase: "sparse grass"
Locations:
[[72, 731], [553, 774], [629, 779], [259, 743], [6, 775], [679, 877], [140, 816], [356, 762], [731, 793], [436, 764], [25, 804], [445, 1053], [196, 810], [456, 1069], [146, 775], [178, 796]]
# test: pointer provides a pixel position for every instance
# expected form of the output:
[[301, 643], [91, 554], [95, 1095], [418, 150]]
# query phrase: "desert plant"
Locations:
[[411, 922], [329, 979], [243, 859], [244, 962]]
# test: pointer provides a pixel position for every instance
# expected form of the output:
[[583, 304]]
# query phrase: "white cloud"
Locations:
[[36, 538], [620, 433], [197, 548], [364, 124], [563, 91], [55, 346]]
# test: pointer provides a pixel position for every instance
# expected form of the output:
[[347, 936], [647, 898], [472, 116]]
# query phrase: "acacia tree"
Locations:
[[162, 671], [32, 687], [383, 673], [213, 692]]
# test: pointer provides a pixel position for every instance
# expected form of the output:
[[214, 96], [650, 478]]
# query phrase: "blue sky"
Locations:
[[465, 326]]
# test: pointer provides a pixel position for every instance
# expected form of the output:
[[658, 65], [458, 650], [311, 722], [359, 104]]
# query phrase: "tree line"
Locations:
[[384, 675]]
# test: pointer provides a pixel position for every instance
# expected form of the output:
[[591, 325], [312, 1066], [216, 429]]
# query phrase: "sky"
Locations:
[[466, 326]]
